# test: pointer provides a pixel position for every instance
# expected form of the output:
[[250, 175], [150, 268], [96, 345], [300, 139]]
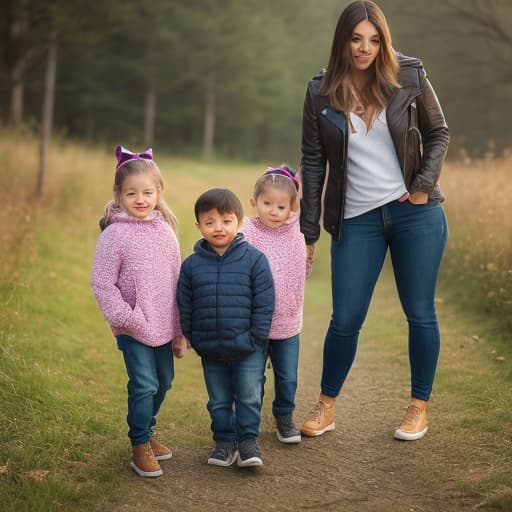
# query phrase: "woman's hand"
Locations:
[[416, 198]]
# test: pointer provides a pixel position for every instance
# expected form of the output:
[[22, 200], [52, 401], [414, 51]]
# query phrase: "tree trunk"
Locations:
[[17, 87], [209, 117], [16, 57], [47, 112], [149, 114]]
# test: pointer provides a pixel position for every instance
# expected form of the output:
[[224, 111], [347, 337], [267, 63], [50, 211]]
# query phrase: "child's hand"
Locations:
[[179, 346], [310, 259]]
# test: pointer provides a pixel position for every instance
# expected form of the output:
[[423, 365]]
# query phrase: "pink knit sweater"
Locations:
[[135, 276], [285, 250]]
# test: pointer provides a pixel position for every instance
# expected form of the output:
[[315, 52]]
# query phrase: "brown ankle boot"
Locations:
[[160, 451], [144, 462]]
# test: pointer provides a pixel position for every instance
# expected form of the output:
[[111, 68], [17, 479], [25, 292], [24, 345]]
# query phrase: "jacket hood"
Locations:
[[203, 248]]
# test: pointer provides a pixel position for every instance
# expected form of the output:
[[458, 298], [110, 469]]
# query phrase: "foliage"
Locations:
[[468, 57], [261, 55]]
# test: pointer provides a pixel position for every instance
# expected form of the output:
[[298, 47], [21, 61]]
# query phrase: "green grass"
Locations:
[[62, 379]]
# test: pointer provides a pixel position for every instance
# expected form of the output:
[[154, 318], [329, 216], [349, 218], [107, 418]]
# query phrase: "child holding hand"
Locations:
[[134, 279], [276, 233]]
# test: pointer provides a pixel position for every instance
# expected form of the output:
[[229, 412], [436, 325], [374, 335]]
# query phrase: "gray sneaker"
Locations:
[[249, 453], [286, 431], [224, 454]]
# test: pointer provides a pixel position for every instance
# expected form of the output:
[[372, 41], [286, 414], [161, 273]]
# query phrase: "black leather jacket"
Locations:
[[418, 130]]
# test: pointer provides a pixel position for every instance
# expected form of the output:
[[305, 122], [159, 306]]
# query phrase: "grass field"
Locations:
[[63, 442]]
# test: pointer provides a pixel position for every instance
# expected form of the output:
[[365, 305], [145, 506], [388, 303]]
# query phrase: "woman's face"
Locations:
[[364, 45]]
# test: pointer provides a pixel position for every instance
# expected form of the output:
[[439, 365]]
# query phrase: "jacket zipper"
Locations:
[[405, 169], [344, 170], [219, 258]]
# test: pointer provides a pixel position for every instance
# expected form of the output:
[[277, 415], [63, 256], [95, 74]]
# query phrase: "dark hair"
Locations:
[[220, 199], [337, 82]]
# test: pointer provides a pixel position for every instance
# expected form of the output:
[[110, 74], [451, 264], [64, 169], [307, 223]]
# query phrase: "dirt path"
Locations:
[[357, 467]]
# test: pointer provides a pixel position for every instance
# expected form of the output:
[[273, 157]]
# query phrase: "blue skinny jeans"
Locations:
[[150, 375], [284, 356], [235, 395], [416, 236]]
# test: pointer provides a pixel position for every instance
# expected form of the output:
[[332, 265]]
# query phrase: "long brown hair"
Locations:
[[131, 168], [337, 82]]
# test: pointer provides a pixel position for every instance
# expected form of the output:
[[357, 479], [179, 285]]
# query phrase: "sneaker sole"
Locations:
[[408, 436], [165, 456], [253, 461], [223, 463], [289, 440], [314, 433], [148, 474]]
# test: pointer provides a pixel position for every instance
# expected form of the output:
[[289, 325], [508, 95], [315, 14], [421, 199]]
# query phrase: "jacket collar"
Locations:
[[335, 117], [203, 248]]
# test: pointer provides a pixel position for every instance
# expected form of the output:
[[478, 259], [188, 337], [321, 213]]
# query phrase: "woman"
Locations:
[[373, 118]]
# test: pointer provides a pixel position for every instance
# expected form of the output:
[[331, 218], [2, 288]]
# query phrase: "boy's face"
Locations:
[[218, 229]]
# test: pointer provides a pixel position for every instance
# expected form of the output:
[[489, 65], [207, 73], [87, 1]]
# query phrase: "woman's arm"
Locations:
[[435, 137], [313, 165]]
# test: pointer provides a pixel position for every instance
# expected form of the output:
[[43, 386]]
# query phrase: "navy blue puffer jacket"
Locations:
[[226, 302]]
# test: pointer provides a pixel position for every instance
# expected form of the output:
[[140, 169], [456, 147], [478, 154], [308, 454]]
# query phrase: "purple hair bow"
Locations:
[[124, 155], [283, 171]]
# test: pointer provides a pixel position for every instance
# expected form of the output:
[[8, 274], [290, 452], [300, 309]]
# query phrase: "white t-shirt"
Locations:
[[374, 177]]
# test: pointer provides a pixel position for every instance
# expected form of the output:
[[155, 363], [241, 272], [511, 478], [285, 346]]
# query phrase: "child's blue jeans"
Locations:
[[284, 356], [150, 374], [416, 236], [234, 391]]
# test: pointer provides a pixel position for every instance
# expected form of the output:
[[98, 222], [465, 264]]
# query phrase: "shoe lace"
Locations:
[[411, 415], [249, 448], [286, 422], [156, 440], [225, 448], [148, 451], [317, 412]]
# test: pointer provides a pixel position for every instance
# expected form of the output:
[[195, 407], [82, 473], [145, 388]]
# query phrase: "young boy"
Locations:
[[226, 303]]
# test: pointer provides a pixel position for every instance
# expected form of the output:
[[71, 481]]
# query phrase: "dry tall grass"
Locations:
[[16, 214], [478, 260], [20, 208]]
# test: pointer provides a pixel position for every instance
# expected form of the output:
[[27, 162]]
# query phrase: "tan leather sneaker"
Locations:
[[414, 424], [160, 451], [144, 462], [320, 419]]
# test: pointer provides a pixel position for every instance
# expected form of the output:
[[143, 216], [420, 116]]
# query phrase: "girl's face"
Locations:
[[139, 195], [273, 206], [364, 45]]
